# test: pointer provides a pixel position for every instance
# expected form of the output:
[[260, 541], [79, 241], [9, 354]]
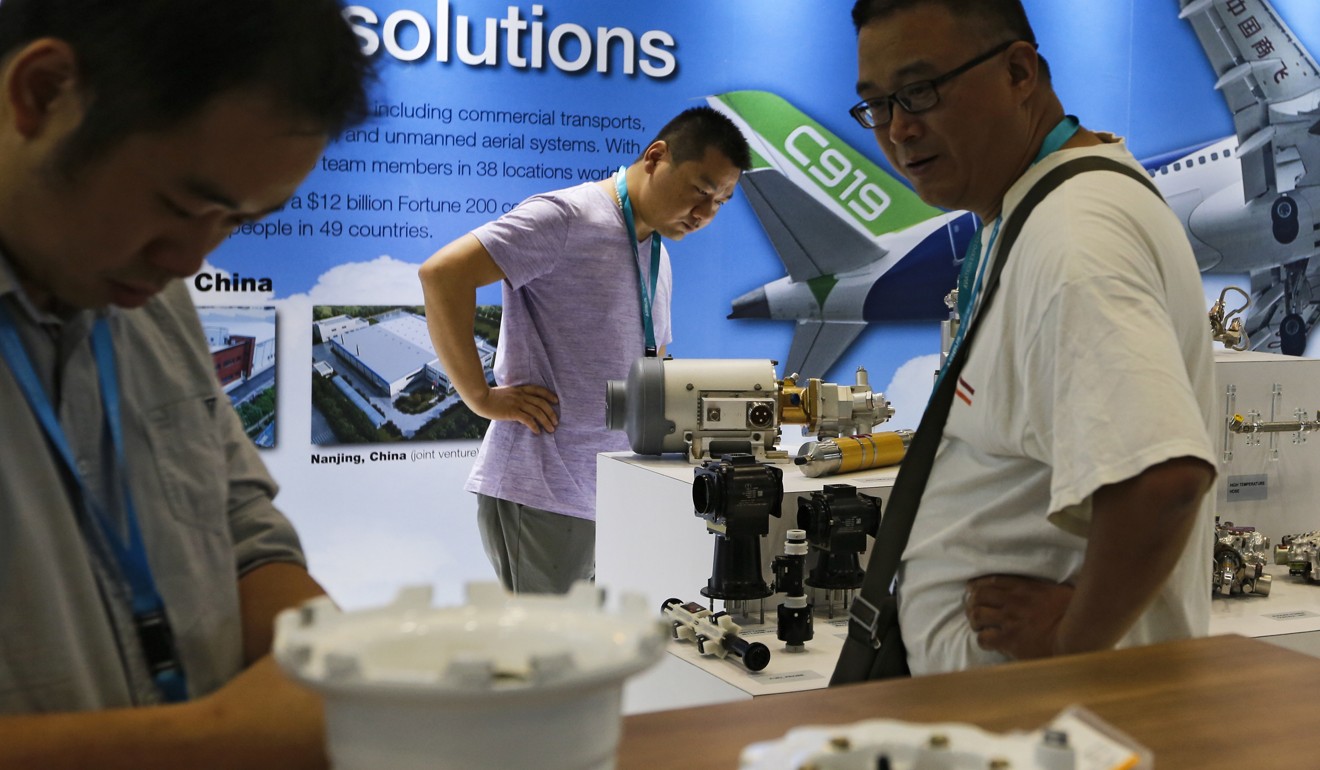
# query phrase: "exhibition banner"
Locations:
[[480, 104]]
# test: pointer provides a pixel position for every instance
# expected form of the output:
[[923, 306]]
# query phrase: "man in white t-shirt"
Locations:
[[1065, 510]]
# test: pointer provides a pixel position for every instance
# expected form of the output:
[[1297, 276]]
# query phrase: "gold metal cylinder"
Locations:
[[870, 450]]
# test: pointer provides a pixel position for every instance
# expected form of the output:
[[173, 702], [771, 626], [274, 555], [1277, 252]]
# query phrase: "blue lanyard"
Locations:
[[148, 608], [648, 301], [972, 272]]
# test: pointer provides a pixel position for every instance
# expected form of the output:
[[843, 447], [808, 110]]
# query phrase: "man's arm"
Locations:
[[263, 593], [450, 279], [258, 720], [1139, 528]]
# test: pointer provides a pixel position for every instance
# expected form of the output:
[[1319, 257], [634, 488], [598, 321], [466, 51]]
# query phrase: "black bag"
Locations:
[[874, 647]]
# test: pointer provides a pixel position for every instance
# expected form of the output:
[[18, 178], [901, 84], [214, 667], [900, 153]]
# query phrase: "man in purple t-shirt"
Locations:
[[586, 287]]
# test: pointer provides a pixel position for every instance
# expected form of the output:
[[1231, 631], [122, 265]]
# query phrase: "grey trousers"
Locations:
[[536, 551]]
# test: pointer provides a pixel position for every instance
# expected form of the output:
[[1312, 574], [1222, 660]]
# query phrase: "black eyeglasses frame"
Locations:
[[865, 110]]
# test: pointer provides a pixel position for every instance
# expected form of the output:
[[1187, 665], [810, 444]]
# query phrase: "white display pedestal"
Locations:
[[1275, 492], [1292, 607], [1272, 488], [650, 541]]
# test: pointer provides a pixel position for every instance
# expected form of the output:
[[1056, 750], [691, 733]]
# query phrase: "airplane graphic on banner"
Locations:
[[858, 246], [1258, 217]]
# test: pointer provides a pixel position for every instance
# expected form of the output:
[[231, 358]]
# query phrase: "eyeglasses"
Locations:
[[915, 97]]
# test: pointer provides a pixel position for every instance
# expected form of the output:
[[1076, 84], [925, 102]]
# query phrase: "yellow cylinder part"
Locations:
[[870, 450]]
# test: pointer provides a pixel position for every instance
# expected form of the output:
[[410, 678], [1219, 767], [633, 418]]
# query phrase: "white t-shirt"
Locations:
[[1093, 364]]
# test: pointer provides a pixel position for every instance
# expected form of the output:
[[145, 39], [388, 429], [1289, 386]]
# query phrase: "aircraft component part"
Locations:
[[714, 634], [1252, 426], [711, 407], [408, 683], [736, 496], [704, 407], [1239, 559], [826, 409], [1226, 325], [852, 453], [1076, 739], [794, 627], [948, 327], [837, 520], [1301, 552]]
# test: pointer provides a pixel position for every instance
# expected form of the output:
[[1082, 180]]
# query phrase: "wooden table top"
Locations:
[[1220, 701]]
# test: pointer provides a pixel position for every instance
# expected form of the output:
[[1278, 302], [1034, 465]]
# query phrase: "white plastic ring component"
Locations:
[[502, 681], [1076, 739]]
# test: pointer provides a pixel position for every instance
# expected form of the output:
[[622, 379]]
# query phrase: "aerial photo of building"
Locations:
[[243, 348], [392, 351], [380, 360]]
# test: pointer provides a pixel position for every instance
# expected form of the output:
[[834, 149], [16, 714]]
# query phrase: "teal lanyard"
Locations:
[[648, 300], [149, 617], [969, 277]]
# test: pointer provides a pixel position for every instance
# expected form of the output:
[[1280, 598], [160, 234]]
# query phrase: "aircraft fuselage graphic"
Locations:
[[838, 298], [1247, 202]]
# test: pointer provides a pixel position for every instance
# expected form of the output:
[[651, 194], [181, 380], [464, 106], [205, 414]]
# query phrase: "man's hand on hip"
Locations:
[[1014, 615], [531, 405]]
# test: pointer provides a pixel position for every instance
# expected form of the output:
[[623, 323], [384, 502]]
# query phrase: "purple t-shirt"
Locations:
[[572, 320]]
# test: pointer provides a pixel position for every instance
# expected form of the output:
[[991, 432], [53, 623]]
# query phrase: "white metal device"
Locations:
[[503, 681]]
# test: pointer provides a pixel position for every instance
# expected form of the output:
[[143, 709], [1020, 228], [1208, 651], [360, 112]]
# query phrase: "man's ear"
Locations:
[[657, 152], [1023, 67], [40, 81]]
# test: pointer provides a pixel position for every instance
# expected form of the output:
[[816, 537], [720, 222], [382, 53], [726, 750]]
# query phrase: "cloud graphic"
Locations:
[[382, 281], [909, 391]]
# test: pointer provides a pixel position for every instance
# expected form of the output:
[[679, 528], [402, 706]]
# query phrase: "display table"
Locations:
[[787, 672], [1222, 701], [649, 541], [1292, 607]]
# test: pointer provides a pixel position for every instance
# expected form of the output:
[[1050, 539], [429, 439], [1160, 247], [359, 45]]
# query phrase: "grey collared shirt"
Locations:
[[202, 494]]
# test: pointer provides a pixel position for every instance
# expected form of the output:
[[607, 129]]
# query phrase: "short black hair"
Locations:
[[695, 129], [1001, 16], [148, 65], [1000, 19]]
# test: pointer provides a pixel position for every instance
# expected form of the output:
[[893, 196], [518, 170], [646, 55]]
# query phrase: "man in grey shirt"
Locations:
[[141, 558]]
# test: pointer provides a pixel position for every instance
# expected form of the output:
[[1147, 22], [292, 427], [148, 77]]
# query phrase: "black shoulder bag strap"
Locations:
[[874, 647]]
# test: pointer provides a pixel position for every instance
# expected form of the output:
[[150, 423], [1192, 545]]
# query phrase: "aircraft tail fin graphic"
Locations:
[[825, 207], [807, 235], [844, 182], [817, 345]]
